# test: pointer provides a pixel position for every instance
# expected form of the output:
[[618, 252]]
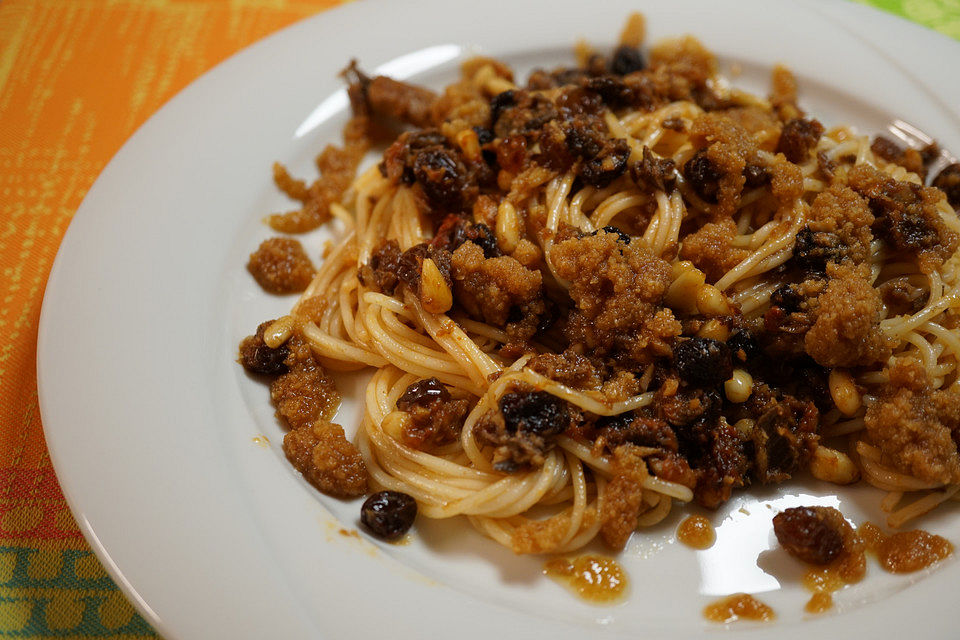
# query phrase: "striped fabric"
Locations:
[[77, 77]]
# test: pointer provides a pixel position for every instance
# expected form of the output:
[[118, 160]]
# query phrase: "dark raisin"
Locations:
[[408, 265], [702, 362], [609, 165], [617, 422], [798, 137], [756, 176], [626, 60], [484, 135], [887, 149], [423, 392], [388, 514], [787, 298], [381, 272], [577, 101], [614, 93], [257, 357], [482, 236], [441, 175], [622, 237], [743, 345], [808, 534], [653, 172], [500, 102], [582, 140], [703, 175], [534, 412], [814, 249], [948, 181], [774, 435]]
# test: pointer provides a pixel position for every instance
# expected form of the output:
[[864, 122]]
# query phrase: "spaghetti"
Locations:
[[622, 286]]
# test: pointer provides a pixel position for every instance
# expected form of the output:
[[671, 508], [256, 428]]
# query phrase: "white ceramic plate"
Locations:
[[156, 433]]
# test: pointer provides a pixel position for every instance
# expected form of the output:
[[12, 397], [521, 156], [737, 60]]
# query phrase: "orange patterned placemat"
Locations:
[[76, 79]]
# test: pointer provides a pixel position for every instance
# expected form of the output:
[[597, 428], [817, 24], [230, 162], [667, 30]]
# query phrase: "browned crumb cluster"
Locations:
[[846, 331], [304, 394], [617, 289], [327, 459], [710, 248], [915, 425], [624, 496], [280, 265]]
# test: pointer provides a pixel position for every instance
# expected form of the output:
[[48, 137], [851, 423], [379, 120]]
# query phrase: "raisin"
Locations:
[[702, 362], [814, 249], [534, 412], [441, 176], [743, 345], [809, 534], [703, 175], [582, 140], [622, 237], [613, 91], [408, 266], [423, 392], [388, 514], [482, 236], [787, 298], [653, 172], [500, 102], [381, 272], [756, 176], [626, 60], [455, 230], [616, 422], [607, 166], [257, 357], [484, 135], [798, 137], [577, 101]]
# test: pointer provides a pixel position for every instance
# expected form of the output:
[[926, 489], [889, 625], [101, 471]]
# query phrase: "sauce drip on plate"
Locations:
[[696, 532], [905, 551], [596, 579], [739, 606]]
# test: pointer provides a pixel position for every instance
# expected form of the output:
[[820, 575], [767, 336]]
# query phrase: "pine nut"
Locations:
[[278, 332], [682, 293], [508, 227], [435, 294], [739, 387], [844, 392], [711, 301], [831, 465]]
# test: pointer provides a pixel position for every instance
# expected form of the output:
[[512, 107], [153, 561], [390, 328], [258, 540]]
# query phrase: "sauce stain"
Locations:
[[696, 532], [262, 441], [905, 551], [849, 567], [739, 606], [596, 579], [819, 602]]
